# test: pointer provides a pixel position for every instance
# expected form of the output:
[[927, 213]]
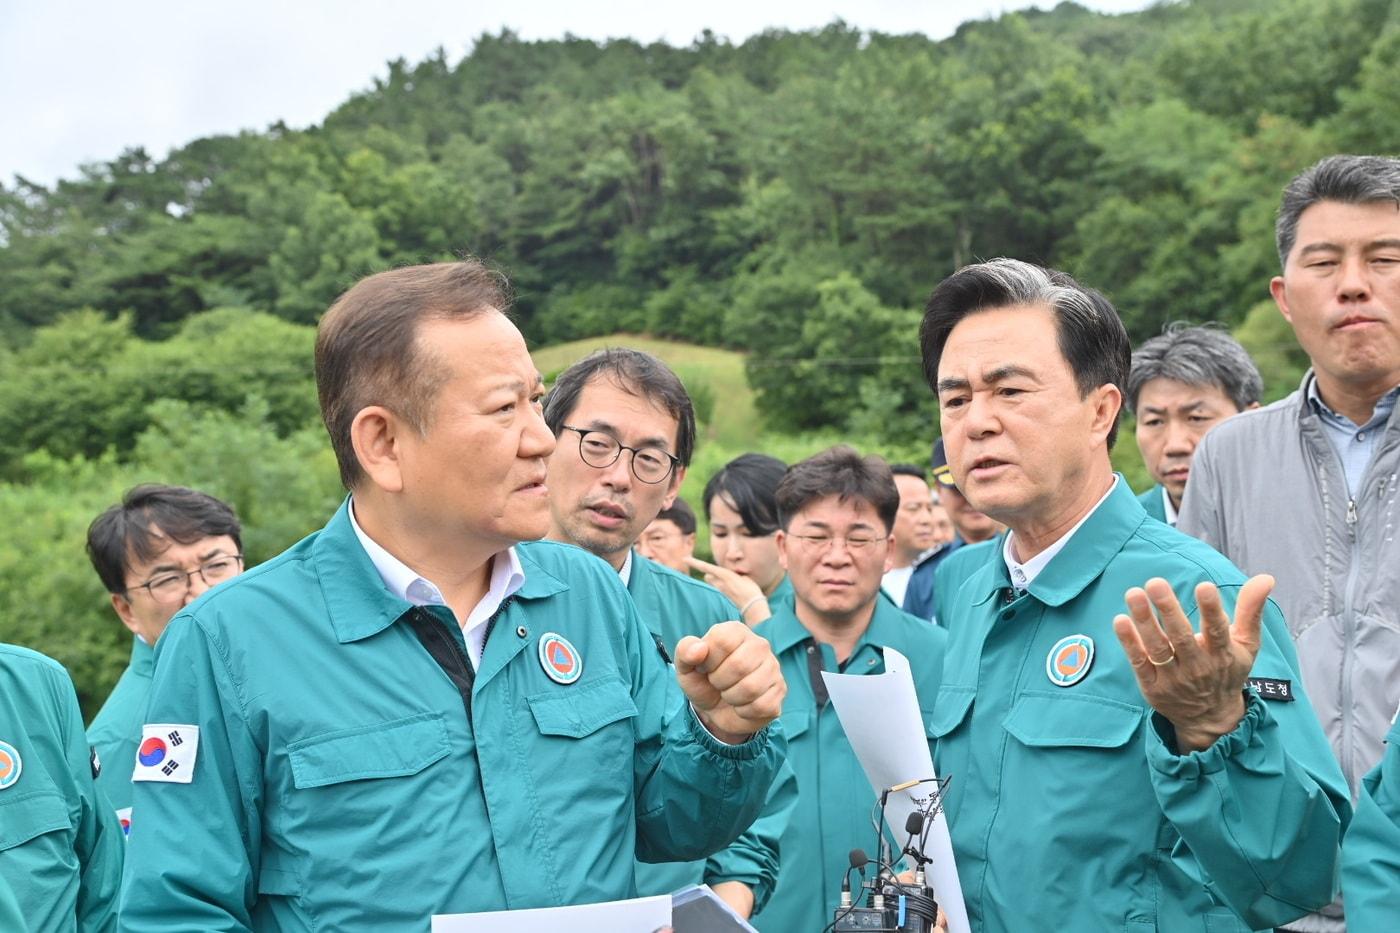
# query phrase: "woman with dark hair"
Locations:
[[741, 507]]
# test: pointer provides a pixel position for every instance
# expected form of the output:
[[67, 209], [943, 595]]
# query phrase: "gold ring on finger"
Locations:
[[1156, 663]]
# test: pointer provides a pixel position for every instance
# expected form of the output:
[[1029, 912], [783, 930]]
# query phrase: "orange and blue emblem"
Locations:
[[151, 752], [560, 659], [10, 765], [1069, 661]]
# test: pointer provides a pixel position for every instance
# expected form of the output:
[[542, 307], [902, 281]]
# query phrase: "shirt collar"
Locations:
[[625, 572], [785, 630], [1379, 414], [1168, 508], [1024, 574]]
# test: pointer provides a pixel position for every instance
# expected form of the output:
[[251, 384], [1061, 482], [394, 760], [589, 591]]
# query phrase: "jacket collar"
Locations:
[[358, 602], [788, 632], [142, 657], [1085, 555]]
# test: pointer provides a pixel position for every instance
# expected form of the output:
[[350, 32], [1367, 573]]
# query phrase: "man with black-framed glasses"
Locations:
[[156, 551], [836, 514], [626, 430]]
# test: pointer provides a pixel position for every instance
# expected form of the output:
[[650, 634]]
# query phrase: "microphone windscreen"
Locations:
[[914, 824], [858, 858]]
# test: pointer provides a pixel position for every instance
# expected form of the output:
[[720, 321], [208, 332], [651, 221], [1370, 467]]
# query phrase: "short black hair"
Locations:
[[1346, 179], [1196, 356], [749, 483], [842, 472], [1091, 335], [679, 514], [123, 534], [909, 469], [632, 371]]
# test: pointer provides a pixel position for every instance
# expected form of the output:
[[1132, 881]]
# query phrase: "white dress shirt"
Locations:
[[1022, 575]]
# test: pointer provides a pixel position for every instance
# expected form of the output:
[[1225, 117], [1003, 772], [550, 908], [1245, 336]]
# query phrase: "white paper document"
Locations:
[[880, 715], [641, 915]]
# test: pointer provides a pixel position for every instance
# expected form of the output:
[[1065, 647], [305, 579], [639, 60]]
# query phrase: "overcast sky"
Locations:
[[82, 80]]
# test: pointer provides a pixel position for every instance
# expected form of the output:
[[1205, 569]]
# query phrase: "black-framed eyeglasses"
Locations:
[[173, 585], [820, 544], [600, 450]]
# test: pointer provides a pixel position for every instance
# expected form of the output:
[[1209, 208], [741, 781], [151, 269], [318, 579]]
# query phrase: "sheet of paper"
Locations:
[[642, 915], [881, 718]]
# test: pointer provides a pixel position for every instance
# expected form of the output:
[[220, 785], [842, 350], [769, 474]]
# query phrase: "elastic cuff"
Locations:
[[1165, 759], [745, 751]]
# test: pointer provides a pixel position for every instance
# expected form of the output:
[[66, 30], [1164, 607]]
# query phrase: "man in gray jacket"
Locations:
[[1306, 488]]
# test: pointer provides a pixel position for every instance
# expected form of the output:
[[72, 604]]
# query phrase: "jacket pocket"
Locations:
[[949, 710], [29, 816], [1048, 720], [400, 747], [578, 712]]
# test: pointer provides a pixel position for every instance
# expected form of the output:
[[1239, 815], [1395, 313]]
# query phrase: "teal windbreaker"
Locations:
[[1069, 805], [1371, 850], [116, 729], [674, 606], [60, 846], [834, 798], [347, 780]]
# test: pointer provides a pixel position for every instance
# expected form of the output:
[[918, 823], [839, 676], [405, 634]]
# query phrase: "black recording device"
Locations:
[[883, 903]]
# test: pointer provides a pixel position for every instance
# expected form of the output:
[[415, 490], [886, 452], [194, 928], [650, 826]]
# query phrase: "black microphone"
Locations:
[[859, 860], [914, 824]]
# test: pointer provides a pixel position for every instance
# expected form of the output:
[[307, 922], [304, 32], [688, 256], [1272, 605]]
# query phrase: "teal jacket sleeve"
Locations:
[[98, 840], [1262, 811], [694, 793], [1371, 850], [192, 859], [754, 857]]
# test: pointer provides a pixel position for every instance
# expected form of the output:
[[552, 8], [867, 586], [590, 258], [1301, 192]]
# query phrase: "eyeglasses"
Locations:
[[600, 450], [820, 544], [170, 587]]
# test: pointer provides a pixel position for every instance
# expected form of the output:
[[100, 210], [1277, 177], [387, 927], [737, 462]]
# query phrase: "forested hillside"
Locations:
[[794, 196]]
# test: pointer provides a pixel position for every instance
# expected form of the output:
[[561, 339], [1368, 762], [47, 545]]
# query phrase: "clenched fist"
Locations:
[[732, 679]]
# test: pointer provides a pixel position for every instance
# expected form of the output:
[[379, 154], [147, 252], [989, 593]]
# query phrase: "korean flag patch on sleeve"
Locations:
[[167, 753]]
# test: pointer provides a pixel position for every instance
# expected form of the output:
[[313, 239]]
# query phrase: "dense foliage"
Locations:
[[794, 196]]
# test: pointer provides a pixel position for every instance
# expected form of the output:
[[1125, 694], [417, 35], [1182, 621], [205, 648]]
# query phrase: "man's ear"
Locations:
[[377, 435], [889, 553], [1280, 297], [677, 477], [122, 607], [780, 540], [1108, 402]]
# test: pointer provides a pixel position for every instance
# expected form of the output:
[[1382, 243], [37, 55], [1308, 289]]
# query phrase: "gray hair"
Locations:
[[1090, 333], [1347, 179], [1196, 356]]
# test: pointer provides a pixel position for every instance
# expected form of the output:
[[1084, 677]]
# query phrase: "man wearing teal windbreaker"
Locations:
[[409, 713], [1108, 769], [626, 431], [1371, 850], [836, 511], [155, 551], [60, 845]]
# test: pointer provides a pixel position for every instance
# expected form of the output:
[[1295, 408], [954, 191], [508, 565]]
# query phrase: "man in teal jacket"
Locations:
[[1182, 383], [836, 510], [1371, 850], [634, 428], [1107, 769], [155, 551], [60, 846], [406, 714]]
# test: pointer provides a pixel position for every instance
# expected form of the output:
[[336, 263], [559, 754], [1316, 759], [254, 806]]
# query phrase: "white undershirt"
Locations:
[[1023, 575], [625, 571], [1169, 508], [896, 583], [507, 576]]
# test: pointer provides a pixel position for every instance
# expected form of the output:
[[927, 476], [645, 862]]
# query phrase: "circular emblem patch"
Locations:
[[1069, 661], [10, 765], [560, 660], [151, 752]]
